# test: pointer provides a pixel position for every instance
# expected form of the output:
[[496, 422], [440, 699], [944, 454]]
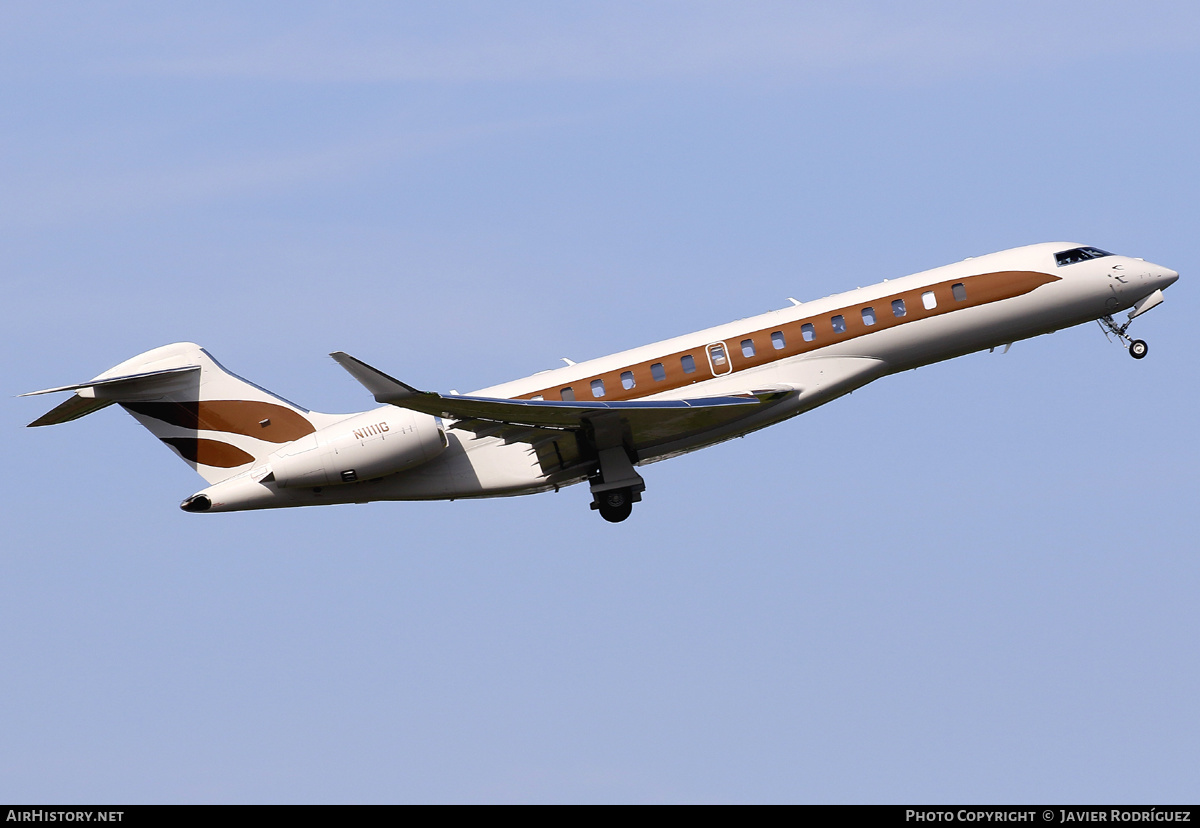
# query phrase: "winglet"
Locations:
[[385, 389]]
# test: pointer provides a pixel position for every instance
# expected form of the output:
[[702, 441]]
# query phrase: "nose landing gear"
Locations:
[[1137, 347]]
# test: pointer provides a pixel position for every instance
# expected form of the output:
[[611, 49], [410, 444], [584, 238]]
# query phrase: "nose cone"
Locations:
[[1166, 277]]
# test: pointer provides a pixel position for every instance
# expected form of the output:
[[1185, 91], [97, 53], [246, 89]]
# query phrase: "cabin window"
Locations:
[[658, 372], [688, 363], [598, 388], [929, 300], [868, 315], [960, 292], [808, 332], [777, 340], [839, 324], [536, 397], [747, 348], [627, 380], [567, 394], [898, 308]]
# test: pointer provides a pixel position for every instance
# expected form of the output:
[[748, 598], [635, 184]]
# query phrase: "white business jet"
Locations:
[[601, 419]]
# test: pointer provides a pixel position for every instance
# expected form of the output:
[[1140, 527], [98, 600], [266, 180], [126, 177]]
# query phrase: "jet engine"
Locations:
[[361, 447]]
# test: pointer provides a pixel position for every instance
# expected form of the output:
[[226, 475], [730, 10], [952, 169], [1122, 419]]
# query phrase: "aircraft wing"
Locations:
[[546, 424]]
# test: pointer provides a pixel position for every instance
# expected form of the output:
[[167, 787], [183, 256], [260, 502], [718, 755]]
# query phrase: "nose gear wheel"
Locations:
[[1137, 347]]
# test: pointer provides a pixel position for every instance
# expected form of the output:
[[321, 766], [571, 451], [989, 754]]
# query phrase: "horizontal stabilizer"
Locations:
[[115, 383], [72, 409], [104, 391]]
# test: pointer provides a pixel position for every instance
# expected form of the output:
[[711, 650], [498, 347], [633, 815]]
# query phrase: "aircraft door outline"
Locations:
[[718, 358]]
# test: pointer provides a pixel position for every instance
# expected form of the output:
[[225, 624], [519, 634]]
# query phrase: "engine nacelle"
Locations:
[[362, 447]]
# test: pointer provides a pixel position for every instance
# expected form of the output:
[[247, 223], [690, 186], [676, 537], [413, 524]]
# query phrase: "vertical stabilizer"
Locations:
[[219, 423]]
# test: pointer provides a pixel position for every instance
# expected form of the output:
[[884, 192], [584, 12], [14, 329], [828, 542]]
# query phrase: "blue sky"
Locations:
[[972, 582]]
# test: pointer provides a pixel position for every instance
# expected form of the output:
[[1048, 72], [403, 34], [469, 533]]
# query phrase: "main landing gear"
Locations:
[[615, 505], [616, 485], [1137, 347]]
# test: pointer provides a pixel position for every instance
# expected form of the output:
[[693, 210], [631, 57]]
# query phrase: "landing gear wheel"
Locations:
[[1138, 349], [616, 505]]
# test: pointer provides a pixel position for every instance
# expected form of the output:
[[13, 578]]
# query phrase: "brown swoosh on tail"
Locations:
[[263, 420], [208, 452]]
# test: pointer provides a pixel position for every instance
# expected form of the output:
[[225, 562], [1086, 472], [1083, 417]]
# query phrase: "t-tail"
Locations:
[[219, 423]]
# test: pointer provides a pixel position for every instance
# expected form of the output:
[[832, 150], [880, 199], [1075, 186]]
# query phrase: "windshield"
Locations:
[[1079, 254]]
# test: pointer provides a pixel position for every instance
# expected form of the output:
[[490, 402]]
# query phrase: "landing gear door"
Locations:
[[718, 359]]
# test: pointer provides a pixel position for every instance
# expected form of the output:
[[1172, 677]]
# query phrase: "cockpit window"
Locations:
[[1079, 254]]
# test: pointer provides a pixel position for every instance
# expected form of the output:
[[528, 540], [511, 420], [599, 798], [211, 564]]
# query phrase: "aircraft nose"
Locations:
[[1167, 277]]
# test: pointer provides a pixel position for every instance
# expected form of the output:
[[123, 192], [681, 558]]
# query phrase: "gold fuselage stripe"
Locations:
[[981, 289]]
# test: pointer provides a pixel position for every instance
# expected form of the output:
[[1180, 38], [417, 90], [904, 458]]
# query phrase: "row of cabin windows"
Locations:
[[838, 322], [659, 372], [807, 332]]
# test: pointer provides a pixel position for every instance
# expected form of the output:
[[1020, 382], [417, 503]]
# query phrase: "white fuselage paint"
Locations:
[[487, 467]]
